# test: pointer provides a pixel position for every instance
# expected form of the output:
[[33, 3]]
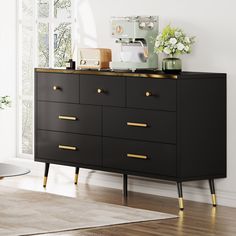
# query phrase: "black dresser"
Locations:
[[151, 124]]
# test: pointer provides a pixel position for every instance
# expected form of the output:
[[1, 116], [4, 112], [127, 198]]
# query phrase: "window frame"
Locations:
[[52, 21]]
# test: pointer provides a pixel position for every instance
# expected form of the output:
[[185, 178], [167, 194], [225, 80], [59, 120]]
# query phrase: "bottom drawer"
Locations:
[[145, 157], [73, 148]]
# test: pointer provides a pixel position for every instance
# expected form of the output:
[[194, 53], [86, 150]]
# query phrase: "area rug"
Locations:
[[28, 212]]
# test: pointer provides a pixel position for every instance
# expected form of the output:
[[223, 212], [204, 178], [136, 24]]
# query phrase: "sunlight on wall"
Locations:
[[86, 25]]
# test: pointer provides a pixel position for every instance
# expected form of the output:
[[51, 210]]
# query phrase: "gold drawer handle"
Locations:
[[65, 147], [137, 124], [137, 156], [99, 91], [67, 118], [56, 88], [148, 94]]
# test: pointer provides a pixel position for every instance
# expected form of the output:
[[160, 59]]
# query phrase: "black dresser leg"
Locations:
[[125, 186], [46, 174], [76, 175], [180, 192], [213, 193]]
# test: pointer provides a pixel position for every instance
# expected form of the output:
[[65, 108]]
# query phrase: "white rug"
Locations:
[[27, 212]]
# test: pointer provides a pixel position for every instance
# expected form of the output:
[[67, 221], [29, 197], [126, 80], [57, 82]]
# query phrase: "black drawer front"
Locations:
[[102, 90], [138, 156], [71, 118], [58, 87], [130, 123], [146, 93], [88, 148]]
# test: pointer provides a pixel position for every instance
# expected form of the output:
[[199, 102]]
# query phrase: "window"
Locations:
[[45, 38]]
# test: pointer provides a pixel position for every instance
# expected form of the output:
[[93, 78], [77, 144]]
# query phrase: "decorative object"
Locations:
[[94, 58], [26, 212], [135, 34], [172, 42], [70, 65], [5, 101]]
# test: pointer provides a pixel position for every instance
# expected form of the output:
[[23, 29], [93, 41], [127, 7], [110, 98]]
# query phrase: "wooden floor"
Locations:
[[197, 219]]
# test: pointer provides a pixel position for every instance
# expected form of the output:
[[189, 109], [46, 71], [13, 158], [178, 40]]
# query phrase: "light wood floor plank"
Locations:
[[198, 219]]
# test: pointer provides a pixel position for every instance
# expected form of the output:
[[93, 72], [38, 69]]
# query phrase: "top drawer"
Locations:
[[57, 87], [159, 94], [102, 90]]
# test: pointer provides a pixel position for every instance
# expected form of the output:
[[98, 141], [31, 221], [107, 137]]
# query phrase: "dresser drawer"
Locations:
[[138, 156], [69, 148], [58, 87], [83, 119], [146, 93], [102, 90], [137, 124]]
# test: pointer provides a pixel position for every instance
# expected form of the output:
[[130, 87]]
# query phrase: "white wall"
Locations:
[[8, 78], [213, 24]]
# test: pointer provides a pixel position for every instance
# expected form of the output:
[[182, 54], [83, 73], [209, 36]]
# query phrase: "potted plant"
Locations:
[[5, 102], [172, 42]]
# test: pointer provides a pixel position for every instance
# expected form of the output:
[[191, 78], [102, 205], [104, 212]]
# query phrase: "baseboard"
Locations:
[[195, 191]]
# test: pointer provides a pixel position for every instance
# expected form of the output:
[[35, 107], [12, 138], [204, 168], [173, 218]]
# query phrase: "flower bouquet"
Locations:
[[172, 42]]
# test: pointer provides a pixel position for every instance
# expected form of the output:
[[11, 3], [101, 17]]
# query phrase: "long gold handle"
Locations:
[[137, 124], [65, 147], [137, 156], [67, 118]]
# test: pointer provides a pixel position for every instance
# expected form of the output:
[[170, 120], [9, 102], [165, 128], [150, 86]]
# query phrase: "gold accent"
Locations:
[[76, 178], [148, 94], [213, 197], [45, 181], [67, 118], [181, 203], [137, 124], [55, 88], [159, 75], [65, 147], [137, 156], [99, 90], [119, 29]]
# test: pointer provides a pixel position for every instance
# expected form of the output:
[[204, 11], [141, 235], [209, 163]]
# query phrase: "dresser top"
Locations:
[[140, 73]]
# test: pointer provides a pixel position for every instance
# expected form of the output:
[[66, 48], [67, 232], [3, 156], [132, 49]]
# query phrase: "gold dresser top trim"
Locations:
[[108, 73]]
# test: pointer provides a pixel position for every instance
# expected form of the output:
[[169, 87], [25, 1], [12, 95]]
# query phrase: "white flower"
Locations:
[[186, 49], [173, 41], [159, 37], [186, 40], [177, 34], [180, 46], [157, 44], [167, 50]]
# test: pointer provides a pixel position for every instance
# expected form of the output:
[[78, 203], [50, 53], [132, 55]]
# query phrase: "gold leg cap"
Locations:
[[76, 179], [213, 197], [181, 204], [45, 181]]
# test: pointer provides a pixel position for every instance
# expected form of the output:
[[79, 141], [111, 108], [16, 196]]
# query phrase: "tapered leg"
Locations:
[[180, 193], [76, 175], [125, 191], [46, 174], [213, 193]]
